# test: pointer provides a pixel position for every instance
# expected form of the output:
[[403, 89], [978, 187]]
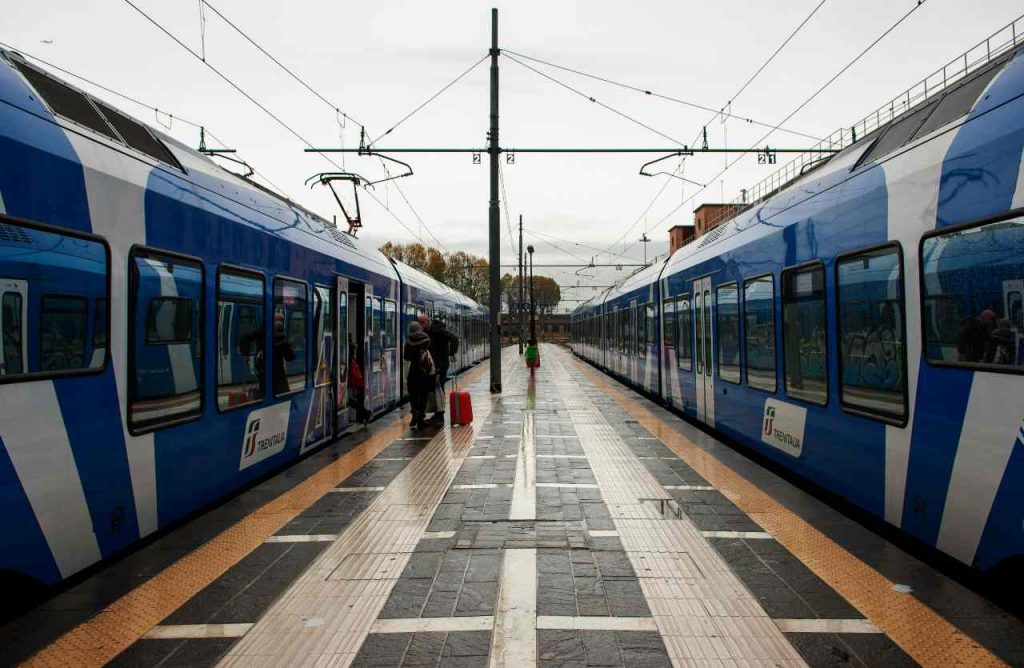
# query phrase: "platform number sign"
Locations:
[[766, 157]]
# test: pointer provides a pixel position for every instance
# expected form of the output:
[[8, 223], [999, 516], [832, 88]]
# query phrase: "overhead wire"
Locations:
[[504, 201], [264, 109], [722, 113], [687, 103], [593, 99], [337, 111], [904, 17]]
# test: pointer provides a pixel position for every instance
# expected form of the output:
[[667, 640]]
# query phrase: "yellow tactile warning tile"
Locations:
[[921, 632], [113, 629], [325, 615]]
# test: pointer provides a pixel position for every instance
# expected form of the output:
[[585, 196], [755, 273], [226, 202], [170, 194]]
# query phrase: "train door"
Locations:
[[1013, 309], [705, 376], [320, 419], [342, 341], [13, 316], [633, 345]]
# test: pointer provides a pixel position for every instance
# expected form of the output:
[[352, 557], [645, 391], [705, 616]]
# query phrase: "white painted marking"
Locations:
[[570, 485], [487, 485], [482, 457], [484, 438], [183, 631], [357, 489], [596, 623], [438, 534], [514, 641], [432, 625], [603, 533], [691, 488], [555, 436], [912, 185], [988, 437], [826, 626], [392, 459], [303, 538], [415, 438], [37, 443], [117, 212], [524, 490], [761, 535], [562, 456]]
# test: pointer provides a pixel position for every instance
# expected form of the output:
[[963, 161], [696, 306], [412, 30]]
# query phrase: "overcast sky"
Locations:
[[378, 60]]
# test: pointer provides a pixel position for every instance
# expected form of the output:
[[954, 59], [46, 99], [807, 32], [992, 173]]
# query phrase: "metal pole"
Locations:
[[494, 228], [520, 311], [533, 302]]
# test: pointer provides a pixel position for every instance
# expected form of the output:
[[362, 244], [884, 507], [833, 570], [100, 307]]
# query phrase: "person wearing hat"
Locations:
[[421, 371]]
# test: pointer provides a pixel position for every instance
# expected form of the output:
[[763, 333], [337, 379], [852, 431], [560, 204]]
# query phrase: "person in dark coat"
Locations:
[[421, 377], [443, 346]]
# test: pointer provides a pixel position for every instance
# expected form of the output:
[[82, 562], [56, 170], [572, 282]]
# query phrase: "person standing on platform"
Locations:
[[443, 346], [421, 380]]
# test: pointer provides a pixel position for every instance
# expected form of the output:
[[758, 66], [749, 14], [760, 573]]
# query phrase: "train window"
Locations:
[[698, 306], [652, 335], [976, 276], [65, 100], [137, 135], [899, 132], [288, 363], [391, 324], [63, 327], [165, 383], [684, 330], [50, 334], [872, 341], [376, 320], [323, 327], [759, 319], [99, 330], [640, 330], [728, 323], [804, 333], [668, 319], [241, 367], [12, 333], [959, 101]]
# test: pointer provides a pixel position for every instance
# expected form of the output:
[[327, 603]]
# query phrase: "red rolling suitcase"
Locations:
[[461, 405]]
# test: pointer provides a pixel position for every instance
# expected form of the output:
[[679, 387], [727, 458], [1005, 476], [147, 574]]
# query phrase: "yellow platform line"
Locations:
[[127, 619], [924, 634]]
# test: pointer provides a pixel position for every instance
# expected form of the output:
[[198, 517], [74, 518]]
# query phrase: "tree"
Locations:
[[462, 271], [547, 293]]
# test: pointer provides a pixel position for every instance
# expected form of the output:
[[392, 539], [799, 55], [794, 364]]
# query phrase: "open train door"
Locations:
[[705, 375], [341, 355]]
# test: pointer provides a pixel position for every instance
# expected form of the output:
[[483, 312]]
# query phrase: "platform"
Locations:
[[574, 523]]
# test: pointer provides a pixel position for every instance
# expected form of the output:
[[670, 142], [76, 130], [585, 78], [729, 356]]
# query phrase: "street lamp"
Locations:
[[533, 302]]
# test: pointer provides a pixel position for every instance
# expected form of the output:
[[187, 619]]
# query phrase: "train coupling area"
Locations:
[[574, 523]]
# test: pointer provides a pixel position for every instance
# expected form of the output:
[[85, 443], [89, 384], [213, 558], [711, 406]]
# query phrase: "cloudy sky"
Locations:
[[377, 61]]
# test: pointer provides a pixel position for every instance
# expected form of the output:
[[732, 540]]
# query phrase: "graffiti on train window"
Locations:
[[165, 356], [759, 321], [53, 302], [804, 333], [973, 282], [872, 348]]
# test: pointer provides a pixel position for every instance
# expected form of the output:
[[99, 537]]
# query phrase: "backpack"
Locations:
[[427, 362]]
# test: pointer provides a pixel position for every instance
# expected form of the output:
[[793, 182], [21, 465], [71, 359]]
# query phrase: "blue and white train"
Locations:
[[170, 331], [863, 326]]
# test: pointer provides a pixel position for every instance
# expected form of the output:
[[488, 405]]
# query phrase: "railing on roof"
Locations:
[[996, 45]]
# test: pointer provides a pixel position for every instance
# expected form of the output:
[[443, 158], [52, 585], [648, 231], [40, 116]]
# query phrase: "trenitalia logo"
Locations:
[[769, 419], [266, 434], [251, 435]]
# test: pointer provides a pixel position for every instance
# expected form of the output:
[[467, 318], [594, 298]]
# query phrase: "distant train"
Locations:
[[863, 326], [170, 331]]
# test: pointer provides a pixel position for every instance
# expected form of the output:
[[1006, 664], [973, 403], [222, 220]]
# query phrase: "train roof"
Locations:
[[256, 205], [424, 281]]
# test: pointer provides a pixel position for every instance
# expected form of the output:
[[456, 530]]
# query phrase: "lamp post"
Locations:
[[533, 302]]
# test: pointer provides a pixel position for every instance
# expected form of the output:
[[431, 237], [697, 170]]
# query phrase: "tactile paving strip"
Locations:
[[702, 610], [926, 636], [325, 616]]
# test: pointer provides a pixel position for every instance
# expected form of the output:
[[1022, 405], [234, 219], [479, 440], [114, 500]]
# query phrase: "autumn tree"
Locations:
[[547, 293], [462, 271]]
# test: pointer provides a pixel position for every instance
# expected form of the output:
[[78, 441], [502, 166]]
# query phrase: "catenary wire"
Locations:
[[509, 53], [277, 119], [722, 112]]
